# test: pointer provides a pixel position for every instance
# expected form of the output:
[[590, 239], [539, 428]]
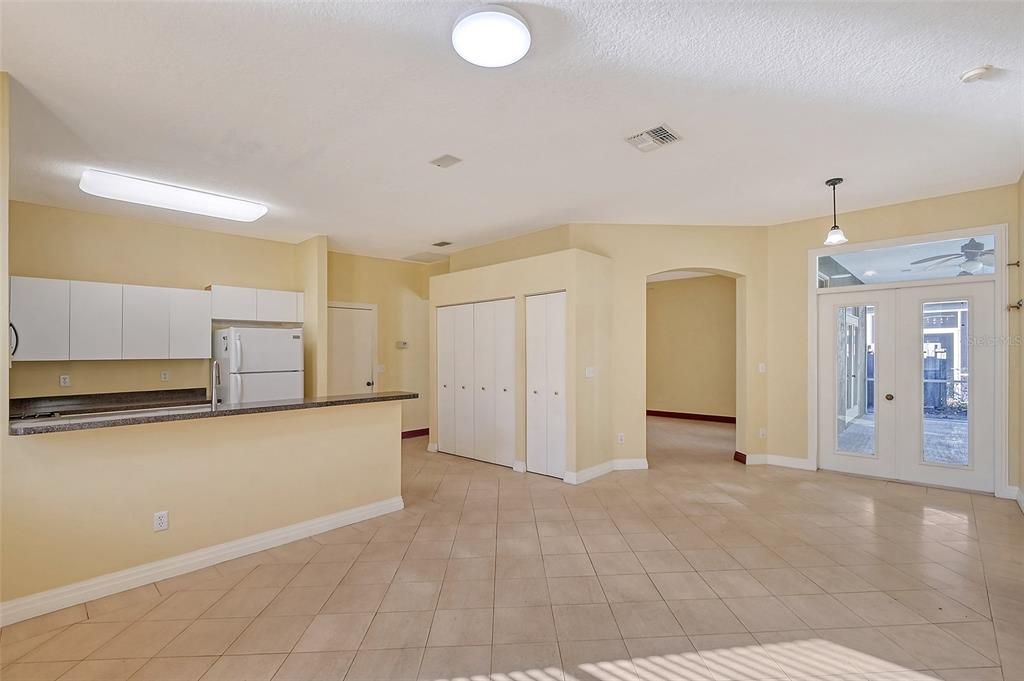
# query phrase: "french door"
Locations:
[[906, 384]]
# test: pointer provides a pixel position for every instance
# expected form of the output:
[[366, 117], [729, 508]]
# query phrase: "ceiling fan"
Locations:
[[973, 257]]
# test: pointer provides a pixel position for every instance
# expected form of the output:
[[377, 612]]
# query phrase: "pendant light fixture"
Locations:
[[835, 233]]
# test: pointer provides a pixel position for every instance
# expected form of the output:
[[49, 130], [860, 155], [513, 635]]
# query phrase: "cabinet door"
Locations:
[[275, 306], [536, 385], [556, 406], [446, 379], [300, 306], [233, 302], [146, 316], [40, 315], [95, 320], [505, 381], [483, 382], [190, 324], [464, 380]]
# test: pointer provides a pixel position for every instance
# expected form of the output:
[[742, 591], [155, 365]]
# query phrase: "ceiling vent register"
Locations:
[[656, 137]]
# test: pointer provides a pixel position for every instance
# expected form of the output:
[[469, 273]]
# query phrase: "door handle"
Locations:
[[14, 330], [369, 384], [889, 396], [483, 388]]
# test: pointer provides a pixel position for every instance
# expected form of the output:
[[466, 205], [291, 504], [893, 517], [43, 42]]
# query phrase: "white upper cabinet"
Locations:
[[260, 305], [145, 329], [300, 306], [276, 306], [40, 319], [95, 320], [190, 317], [233, 302]]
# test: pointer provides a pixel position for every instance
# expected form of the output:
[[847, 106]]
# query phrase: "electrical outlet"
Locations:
[[165, 376], [65, 381], [622, 438], [161, 521], [763, 433], [761, 368], [589, 372]]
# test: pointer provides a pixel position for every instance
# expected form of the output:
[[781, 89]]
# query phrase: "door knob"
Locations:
[[534, 392], [483, 388], [889, 397], [369, 384], [556, 392]]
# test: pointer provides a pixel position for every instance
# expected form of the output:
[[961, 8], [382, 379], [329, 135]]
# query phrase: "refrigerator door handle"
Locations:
[[238, 353], [237, 380]]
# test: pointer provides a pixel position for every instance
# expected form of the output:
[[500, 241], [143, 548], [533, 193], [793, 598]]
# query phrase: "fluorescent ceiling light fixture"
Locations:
[[148, 193], [491, 36]]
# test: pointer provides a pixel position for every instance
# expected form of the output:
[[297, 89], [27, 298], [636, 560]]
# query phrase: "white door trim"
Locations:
[[1003, 489]]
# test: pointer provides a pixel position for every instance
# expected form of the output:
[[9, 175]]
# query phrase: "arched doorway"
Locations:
[[693, 365]]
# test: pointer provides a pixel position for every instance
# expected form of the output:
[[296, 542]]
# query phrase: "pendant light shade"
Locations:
[[835, 234]]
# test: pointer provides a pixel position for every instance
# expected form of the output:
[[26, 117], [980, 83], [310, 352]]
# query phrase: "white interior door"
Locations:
[[352, 334], [907, 384], [483, 382], [556, 405], [946, 386], [446, 379], [505, 381], [464, 398], [536, 385], [856, 358]]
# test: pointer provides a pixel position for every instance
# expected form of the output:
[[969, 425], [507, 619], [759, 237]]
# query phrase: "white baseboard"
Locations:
[[44, 602], [587, 474], [519, 466], [431, 446], [1020, 499], [784, 461]]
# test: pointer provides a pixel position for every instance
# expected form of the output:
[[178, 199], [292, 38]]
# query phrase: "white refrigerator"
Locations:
[[258, 365]]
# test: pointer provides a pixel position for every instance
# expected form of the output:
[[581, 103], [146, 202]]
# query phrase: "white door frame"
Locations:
[[372, 307], [1002, 486]]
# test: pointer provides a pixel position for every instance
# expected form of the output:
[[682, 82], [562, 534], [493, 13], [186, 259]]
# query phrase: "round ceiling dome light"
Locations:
[[491, 36]]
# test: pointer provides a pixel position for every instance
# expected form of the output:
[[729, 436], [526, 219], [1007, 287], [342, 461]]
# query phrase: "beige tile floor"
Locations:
[[699, 569]]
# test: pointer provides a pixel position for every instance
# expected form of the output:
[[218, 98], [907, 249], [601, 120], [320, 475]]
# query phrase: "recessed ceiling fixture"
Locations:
[[978, 73], [446, 161], [148, 193], [835, 233], [491, 36]]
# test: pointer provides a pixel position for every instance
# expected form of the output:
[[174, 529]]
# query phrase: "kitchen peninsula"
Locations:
[[233, 481]]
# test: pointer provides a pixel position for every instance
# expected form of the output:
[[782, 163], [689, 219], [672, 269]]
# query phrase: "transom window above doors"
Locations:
[[960, 257]]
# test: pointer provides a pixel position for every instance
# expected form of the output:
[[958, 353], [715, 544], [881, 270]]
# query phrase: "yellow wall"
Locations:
[[583, 276], [68, 244], [771, 264], [80, 504], [691, 345], [400, 291]]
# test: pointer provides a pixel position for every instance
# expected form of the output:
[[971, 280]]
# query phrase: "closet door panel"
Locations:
[[536, 385], [483, 381], [463, 360], [556, 404], [505, 381], [446, 379]]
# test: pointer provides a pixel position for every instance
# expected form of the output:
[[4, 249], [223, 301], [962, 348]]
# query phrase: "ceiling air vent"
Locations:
[[426, 257], [649, 140], [446, 161], [442, 244]]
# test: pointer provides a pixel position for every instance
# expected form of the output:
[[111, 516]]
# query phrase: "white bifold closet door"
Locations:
[[545, 384], [476, 407], [446, 379], [483, 382], [504, 381], [464, 397]]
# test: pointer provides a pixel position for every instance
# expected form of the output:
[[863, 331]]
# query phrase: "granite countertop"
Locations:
[[75, 419]]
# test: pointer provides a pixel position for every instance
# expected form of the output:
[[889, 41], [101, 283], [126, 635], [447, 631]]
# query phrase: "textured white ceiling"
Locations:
[[330, 112]]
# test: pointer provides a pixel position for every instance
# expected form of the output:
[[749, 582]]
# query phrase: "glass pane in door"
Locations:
[[855, 380], [945, 373]]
